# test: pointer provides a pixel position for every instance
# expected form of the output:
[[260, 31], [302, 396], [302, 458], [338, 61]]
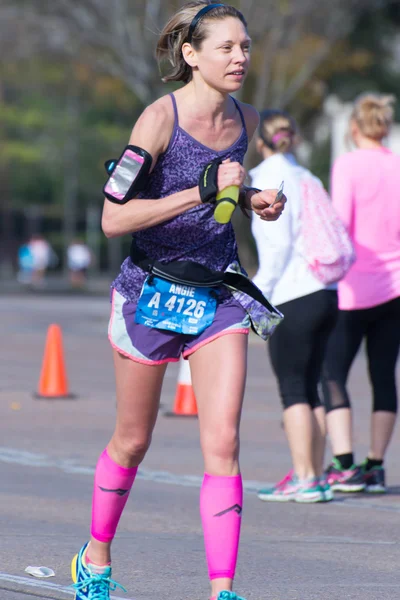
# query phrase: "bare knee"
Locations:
[[221, 451], [130, 450]]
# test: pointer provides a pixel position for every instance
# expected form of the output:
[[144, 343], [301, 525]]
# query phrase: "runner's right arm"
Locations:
[[152, 132]]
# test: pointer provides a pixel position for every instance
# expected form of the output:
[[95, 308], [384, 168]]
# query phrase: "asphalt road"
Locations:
[[48, 449]]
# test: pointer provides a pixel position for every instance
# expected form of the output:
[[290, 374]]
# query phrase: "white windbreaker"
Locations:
[[283, 273]]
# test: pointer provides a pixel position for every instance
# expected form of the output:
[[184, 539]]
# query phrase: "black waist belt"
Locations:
[[177, 271], [190, 273]]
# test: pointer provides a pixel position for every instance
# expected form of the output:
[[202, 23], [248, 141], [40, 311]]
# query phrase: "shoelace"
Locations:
[[100, 586], [283, 482], [225, 595]]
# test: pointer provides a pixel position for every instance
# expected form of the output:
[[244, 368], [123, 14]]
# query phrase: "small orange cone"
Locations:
[[185, 402], [53, 379]]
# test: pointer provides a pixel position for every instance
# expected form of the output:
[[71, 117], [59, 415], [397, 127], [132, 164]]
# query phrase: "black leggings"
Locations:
[[298, 345], [380, 326]]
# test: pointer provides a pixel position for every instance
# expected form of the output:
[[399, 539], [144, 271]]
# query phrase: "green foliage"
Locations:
[[60, 117], [36, 128], [20, 153]]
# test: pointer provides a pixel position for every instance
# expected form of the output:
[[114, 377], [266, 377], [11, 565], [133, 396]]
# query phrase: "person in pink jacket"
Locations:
[[366, 195]]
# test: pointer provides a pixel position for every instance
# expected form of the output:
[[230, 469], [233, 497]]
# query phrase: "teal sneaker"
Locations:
[[283, 491], [310, 491], [326, 489], [88, 584], [291, 488], [226, 595]]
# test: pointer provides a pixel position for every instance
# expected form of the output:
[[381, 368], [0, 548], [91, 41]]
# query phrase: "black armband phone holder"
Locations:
[[208, 181], [127, 174]]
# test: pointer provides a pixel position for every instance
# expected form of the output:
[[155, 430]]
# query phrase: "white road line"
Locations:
[[34, 585], [30, 459], [64, 592]]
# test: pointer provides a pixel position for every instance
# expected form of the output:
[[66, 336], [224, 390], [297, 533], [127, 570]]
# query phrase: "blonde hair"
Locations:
[[176, 33], [374, 114], [277, 130]]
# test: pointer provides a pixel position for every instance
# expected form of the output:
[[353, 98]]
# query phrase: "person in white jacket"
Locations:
[[310, 309]]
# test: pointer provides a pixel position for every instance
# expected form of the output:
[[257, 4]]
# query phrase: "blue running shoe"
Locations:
[[344, 480], [88, 584], [374, 478]]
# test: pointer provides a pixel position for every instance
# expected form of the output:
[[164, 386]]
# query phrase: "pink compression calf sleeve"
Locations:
[[112, 484], [221, 500]]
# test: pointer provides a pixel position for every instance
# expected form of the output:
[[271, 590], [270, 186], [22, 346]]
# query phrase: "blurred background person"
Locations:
[[79, 259], [365, 193], [25, 264], [43, 257], [310, 309]]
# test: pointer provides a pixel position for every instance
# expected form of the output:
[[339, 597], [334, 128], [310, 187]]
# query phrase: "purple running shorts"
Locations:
[[152, 346]]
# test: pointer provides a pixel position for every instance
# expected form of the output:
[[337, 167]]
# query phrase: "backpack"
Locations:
[[328, 248]]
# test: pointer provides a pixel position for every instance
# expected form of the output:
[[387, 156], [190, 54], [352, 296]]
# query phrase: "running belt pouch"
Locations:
[[178, 271], [127, 174], [208, 181], [243, 284]]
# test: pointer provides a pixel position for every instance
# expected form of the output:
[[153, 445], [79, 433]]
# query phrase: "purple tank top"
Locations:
[[194, 235]]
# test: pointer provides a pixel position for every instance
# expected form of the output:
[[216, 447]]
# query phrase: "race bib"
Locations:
[[175, 307]]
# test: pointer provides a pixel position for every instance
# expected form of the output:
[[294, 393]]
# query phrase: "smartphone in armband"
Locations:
[[278, 196], [127, 174]]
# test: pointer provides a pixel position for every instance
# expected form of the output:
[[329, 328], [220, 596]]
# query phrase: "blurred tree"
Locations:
[[377, 35], [116, 38], [368, 60], [291, 38], [76, 73], [57, 128]]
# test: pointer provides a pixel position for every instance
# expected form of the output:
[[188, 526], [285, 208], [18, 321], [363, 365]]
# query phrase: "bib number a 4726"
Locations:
[[175, 307]]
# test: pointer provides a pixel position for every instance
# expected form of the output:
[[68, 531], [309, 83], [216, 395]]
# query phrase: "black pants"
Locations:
[[297, 347], [380, 326]]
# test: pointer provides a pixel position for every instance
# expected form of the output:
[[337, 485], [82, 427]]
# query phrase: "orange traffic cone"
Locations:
[[53, 379], [185, 402]]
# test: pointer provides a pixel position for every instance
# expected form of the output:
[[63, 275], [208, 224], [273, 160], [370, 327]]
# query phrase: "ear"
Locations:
[[259, 145], [189, 55], [354, 130]]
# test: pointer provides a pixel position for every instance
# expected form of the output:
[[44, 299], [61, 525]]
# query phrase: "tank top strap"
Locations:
[[240, 112], [176, 119]]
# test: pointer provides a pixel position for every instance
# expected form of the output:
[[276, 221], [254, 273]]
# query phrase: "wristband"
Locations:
[[208, 181]]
